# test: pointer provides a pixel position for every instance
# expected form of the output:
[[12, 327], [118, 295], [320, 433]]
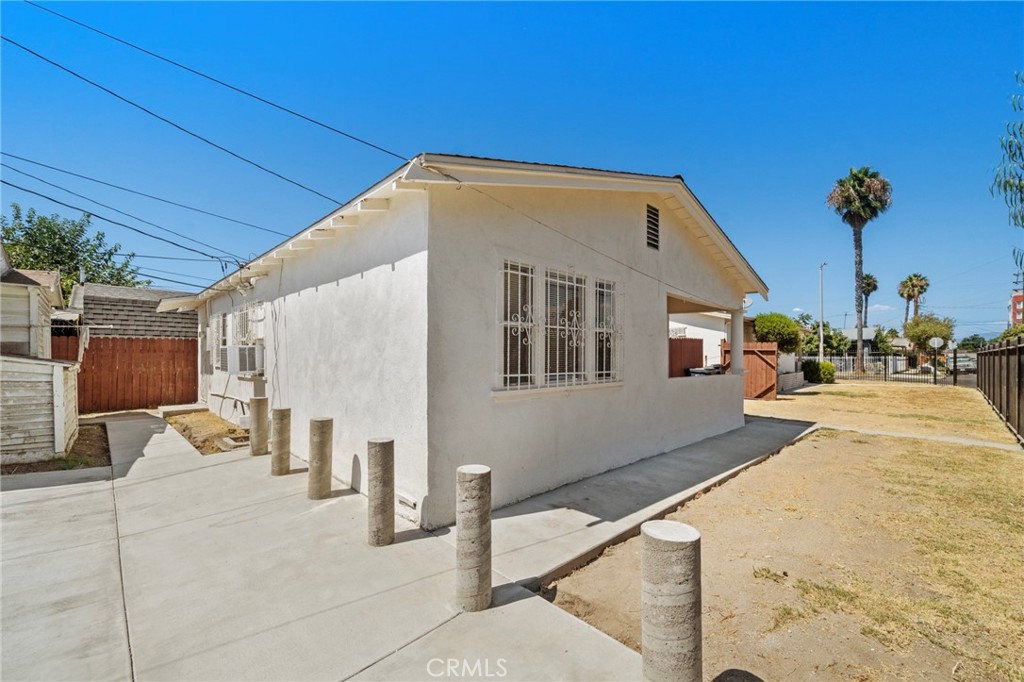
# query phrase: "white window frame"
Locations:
[[534, 325]]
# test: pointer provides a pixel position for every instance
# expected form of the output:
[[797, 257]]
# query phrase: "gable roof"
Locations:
[[428, 168], [47, 280]]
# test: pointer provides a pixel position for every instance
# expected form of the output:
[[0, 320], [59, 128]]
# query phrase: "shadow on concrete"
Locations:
[[736, 675], [618, 493]]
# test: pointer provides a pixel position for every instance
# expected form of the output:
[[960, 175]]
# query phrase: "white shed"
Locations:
[[483, 311], [38, 408]]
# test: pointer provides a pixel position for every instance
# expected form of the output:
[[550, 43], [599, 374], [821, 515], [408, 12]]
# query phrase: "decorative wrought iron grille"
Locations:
[[517, 326], [247, 323], [565, 328], [607, 333]]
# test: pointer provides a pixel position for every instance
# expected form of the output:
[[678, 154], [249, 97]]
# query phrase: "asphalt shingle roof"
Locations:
[[131, 311]]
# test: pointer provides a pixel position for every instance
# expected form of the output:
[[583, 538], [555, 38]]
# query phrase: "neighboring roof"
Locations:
[[900, 342], [49, 280], [427, 169], [131, 311]]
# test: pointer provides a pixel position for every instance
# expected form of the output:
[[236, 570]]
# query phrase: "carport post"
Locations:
[[380, 517], [473, 537], [670, 602], [258, 426], [281, 442], [321, 438]]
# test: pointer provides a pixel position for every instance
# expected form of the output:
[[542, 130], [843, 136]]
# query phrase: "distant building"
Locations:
[[1016, 307]]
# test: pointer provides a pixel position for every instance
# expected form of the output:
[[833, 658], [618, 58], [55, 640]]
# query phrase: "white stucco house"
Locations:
[[483, 311]]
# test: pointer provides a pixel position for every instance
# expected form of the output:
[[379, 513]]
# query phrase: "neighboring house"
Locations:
[[868, 335], [132, 357], [483, 311], [38, 403], [1016, 307], [711, 328], [27, 300]]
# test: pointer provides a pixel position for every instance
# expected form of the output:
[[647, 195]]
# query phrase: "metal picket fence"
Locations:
[[1001, 380], [896, 368]]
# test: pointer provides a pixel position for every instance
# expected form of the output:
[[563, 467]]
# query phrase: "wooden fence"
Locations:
[[1001, 381], [684, 355], [760, 369], [132, 373]]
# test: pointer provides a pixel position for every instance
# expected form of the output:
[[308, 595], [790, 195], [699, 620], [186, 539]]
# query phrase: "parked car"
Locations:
[[963, 365]]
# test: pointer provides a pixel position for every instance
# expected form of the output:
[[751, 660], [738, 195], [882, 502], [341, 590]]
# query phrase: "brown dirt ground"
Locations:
[[90, 449], [921, 410], [846, 557], [205, 429]]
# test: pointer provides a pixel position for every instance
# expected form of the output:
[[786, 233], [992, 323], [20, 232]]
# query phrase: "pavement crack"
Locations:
[[120, 573]]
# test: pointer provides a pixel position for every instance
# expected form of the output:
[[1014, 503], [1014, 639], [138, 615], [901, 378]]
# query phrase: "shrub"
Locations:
[[779, 328], [828, 373], [811, 370]]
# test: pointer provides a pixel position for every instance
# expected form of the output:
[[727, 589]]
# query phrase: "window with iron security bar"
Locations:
[[517, 326], [565, 329], [217, 341], [607, 333], [247, 323]]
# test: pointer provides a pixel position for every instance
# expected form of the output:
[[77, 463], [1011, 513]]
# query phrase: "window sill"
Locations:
[[517, 394]]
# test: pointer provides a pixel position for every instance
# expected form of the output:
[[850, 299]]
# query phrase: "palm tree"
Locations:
[[912, 288], [869, 285], [858, 199]]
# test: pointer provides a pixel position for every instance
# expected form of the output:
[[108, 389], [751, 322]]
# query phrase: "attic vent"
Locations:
[[653, 227]]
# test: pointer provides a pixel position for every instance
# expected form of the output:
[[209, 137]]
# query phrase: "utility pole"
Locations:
[[821, 313]]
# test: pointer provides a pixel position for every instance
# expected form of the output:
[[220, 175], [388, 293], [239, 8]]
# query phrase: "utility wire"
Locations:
[[112, 222], [212, 79], [168, 121], [179, 274], [116, 210], [143, 194], [119, 255]]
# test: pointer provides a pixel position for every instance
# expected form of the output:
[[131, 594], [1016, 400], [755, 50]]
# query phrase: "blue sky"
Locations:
[[759, 106]]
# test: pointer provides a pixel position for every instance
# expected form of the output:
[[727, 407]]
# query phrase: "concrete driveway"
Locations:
[[171, 565]]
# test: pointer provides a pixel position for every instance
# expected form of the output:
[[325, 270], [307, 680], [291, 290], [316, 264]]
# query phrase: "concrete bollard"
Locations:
[[670, 599], [258, 426], [321, 446], [473, 537], [380, 517], [281, 442]]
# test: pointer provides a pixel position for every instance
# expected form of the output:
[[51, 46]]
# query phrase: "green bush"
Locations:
[[828, 373], [811, 370], [779, 328]]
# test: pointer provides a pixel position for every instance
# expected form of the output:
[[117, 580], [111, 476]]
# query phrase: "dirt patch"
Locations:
[[205, 430], [91, 449], [846, 557], [919, 410]]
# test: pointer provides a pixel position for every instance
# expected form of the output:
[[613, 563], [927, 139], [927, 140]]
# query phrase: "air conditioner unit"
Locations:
[[244, 360]]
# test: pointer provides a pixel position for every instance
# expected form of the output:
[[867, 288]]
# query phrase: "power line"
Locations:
[[112, 222], [166, 279], [137, 255], [168, 121], [116, 210], [172, 272], [143, 194], [212, 79]]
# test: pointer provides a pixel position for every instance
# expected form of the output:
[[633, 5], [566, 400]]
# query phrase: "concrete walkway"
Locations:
[[174, 566]]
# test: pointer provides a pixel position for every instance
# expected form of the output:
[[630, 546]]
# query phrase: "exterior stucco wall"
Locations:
[[345, 331], [537, 440]]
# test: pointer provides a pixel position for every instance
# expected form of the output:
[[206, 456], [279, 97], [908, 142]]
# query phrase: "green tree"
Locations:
[[782, 329], [1011, 333], [923, 327], [972, 342], [1009, 178], [883, 342], [912, 289], [870, 286], [859, 198], [835, 342], [38, 242]]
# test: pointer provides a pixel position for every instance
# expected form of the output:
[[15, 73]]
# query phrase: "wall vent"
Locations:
[[653, 227]]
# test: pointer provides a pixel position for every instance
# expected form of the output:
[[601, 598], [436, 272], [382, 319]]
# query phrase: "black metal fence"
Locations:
[[952, 370], [1001, 380]]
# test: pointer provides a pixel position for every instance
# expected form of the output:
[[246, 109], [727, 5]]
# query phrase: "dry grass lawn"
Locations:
[[906, 408], [850, 557]]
